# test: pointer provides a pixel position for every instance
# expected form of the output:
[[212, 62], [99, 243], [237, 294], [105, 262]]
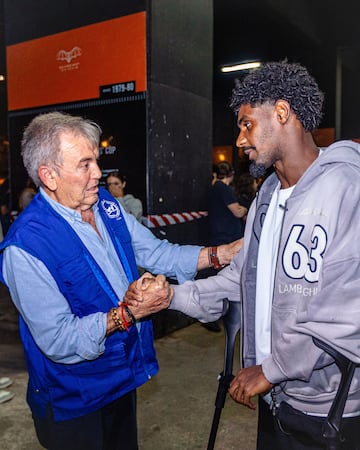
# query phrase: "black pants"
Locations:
[[290, 429], [113, 427]]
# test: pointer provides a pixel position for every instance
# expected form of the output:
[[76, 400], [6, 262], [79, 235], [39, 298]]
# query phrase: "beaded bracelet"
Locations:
[[118, 322]]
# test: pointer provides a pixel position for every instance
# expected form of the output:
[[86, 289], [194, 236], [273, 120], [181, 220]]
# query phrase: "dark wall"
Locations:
[[350, 93], [180, 105], [3, 103], [32, 19]]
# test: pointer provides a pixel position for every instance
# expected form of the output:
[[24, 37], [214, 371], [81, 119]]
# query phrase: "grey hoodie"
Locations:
[[317, 282]]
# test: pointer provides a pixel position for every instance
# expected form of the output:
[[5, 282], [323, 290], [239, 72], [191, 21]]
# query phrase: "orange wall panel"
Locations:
[[72, 65]]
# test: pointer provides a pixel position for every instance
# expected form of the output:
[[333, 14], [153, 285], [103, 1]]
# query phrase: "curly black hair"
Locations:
[[282, 81]]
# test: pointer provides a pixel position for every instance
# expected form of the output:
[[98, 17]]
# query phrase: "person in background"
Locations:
[[5, 395], [116, 183], [226, 222], [25, 197], [245, 188], [68, 260], [213, 175], [5, 216], [5, 220], [225, 218], [299, 268]]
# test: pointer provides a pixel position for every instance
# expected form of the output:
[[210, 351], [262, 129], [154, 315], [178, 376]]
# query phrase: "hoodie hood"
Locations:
[[341, 152]]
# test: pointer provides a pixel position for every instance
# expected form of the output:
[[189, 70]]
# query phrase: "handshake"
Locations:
[[148, 295]]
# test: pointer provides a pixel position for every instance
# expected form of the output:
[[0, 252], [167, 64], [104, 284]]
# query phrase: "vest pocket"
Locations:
[[103, 377]]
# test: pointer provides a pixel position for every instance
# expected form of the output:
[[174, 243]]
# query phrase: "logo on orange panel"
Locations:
[[66, 58]]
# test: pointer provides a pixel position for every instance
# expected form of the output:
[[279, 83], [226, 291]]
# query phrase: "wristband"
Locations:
[[129, 313], [127, 323], [124, 321], [213, 258]]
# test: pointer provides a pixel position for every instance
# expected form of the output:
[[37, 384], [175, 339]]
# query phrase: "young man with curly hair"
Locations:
[[299, 266]]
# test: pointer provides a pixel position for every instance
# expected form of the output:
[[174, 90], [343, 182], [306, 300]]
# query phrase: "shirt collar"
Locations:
[[64, 211]]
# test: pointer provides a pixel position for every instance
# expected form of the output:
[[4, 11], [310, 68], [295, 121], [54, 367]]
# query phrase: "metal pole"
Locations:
[[232, 323]]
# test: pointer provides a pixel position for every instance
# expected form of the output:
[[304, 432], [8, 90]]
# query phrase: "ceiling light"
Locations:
[[243, 66], [2, 77]]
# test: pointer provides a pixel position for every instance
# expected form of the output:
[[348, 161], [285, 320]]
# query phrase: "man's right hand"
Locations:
[[227, 252]]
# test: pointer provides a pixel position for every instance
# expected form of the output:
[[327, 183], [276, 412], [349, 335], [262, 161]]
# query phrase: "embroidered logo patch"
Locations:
[[111, 208]]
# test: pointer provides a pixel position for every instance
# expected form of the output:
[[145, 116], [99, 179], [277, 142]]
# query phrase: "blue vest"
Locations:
[[73, 390]]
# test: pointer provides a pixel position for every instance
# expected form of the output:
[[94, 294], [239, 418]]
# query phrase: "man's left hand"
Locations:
[[247, 383], [134, 294]]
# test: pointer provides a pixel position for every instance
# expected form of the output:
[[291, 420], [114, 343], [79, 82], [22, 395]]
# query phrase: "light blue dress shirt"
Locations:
[[62, 336]]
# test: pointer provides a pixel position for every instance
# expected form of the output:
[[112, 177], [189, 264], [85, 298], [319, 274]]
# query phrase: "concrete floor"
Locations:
[[175, 408]]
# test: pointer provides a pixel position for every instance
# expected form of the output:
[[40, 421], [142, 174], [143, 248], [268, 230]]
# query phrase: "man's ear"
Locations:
[[283, 111], [47, 177]]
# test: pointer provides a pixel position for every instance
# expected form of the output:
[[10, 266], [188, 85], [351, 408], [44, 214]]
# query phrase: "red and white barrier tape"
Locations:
[[162, 220]]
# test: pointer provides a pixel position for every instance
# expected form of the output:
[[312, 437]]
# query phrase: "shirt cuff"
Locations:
[[188, 269]]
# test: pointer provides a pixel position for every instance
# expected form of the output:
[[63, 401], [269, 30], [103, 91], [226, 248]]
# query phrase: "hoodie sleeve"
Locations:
[[204, 299]]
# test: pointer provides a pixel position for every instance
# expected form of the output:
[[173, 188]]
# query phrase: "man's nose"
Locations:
[[97, 172], [241, 140]]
